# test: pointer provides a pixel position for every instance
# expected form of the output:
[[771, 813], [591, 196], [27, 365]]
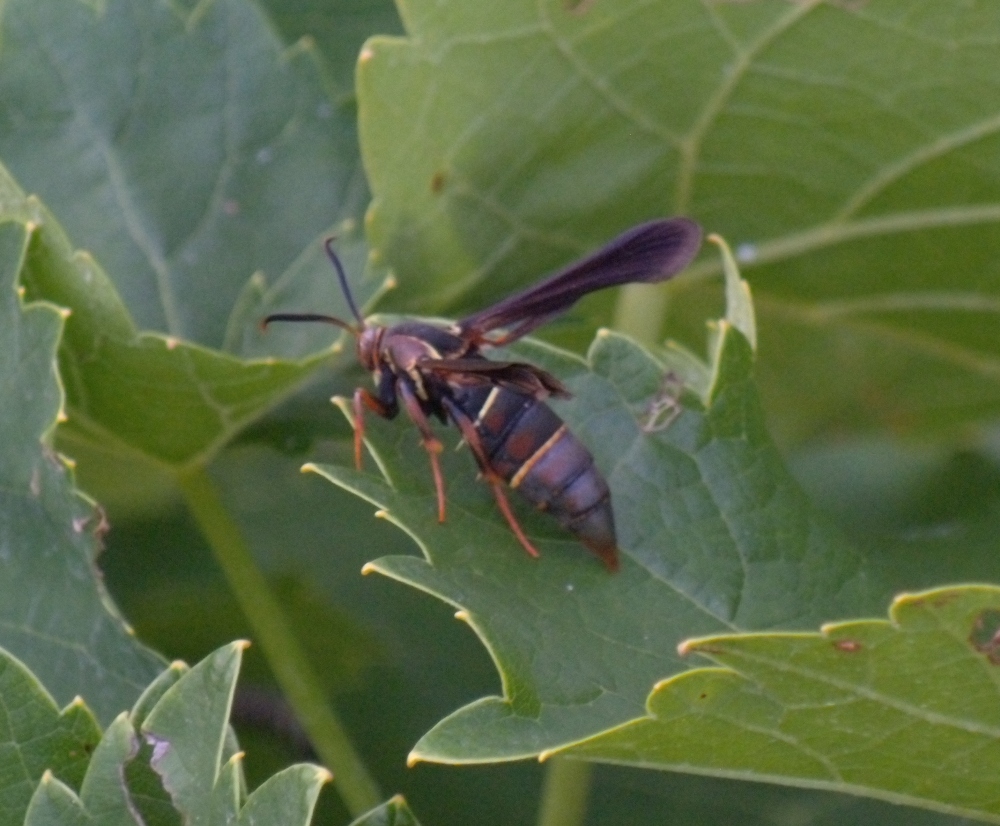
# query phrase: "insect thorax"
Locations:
[[439, 342]]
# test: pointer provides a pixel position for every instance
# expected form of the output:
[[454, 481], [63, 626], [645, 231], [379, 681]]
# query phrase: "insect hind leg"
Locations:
[[471, 437]]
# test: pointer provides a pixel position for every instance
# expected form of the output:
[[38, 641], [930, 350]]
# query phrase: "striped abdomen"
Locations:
[[530, 448]]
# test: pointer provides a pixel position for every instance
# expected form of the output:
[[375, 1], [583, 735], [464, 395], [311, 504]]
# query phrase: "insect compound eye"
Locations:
[[367, 347]]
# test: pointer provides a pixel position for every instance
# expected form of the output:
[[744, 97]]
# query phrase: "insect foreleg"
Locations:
[[384, 404], [471, 436], [431, 443]]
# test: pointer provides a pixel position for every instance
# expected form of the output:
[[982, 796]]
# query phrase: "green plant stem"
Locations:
[[639, 312], [565, 791], [285, 656]]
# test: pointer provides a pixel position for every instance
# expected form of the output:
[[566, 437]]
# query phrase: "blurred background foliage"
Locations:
[[199, 151]]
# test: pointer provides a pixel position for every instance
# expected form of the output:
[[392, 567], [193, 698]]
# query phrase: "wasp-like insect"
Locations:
[[498, 405]]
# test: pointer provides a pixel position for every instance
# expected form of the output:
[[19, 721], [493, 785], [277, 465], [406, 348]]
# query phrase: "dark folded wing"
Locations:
[[514, 375], [647, 253]]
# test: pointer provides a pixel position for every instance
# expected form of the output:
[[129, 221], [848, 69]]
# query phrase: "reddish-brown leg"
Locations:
[[471, 437], [504, 504], [362, 399], [431, 443]]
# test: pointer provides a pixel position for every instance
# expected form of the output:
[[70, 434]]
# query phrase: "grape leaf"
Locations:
[[714, 533], [188, 728], [186, 149], [104, 795], [394, 812], [904, 709], [37, 738], [184, 736], [339, 28], [56, 616], [201, 161], [848, 150], [142, 399]]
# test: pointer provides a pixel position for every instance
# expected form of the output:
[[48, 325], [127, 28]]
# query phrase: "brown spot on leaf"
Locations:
[[847, 646], [985, 635], [437, 181], [944, 600]]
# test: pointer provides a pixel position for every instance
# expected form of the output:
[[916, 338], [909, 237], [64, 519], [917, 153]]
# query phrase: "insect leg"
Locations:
[[471, 436], [431, 443], [362, 399]]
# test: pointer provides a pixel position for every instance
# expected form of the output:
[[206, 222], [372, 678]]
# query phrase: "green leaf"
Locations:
[[303, 529], [929, 513], [394, 812], [55, 614], [287, 797], [841, 148], [714, 533], [54, 804], [138, 395], [137, 402], [188, 729], [339, 28], [104, 791], [740, 311], [37, 739], [904, 710], [190, 132], [203, 193], [155, 690], [134, 399], [186, 149], [104, 796], [202, 774]]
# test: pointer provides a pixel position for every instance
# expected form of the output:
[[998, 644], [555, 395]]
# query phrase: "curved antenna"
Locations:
[[328, 245], [326, 319]]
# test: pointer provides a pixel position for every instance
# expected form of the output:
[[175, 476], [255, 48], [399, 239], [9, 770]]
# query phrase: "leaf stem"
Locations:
[[285, 656], [565, 791], [639, 312]]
